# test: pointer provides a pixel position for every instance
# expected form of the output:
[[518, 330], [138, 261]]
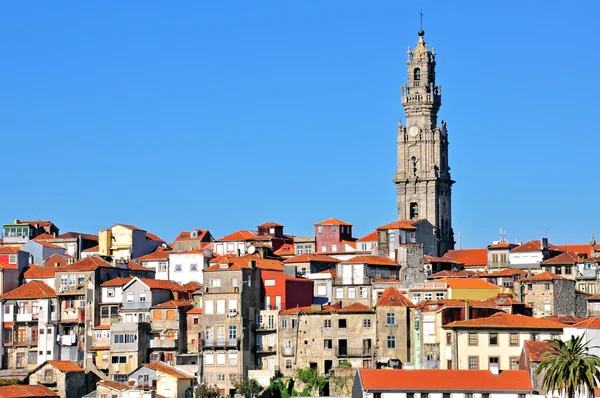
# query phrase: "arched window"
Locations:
[[417, 74], [414, 210]]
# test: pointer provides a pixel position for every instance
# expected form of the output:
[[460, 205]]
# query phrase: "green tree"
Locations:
[[248, 388], [569, 368], [206, 391], [314, 382]]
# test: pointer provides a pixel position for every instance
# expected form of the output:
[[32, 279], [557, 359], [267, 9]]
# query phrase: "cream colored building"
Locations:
[[125, 242], [493, 342]]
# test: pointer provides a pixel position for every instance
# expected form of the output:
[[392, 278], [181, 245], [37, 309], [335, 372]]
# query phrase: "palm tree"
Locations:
[[569, 368]]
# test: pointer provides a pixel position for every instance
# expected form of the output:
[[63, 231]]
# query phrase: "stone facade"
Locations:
[[65, 384], [423, 182], [551, 294]]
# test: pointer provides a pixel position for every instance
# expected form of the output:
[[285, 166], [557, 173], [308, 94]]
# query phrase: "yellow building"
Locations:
[[125, 242], [470, 288]]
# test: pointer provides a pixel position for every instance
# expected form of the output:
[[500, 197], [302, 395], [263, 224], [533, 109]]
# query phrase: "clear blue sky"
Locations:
[[224, 115]]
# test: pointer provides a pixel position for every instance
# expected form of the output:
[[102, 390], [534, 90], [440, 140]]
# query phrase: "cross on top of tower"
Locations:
[[421, 31]]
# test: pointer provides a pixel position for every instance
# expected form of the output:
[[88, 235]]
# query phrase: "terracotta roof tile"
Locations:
[[372, 237], [536, 349], [66, 366], [391, 297], [568, 258], [504, 320], [9, 249], [270, 224], [333, 221], [349, 243], [118, 281], [49, 245], [533, 246], [590, 323], [502, 245], [37, 272], [284, 250], [372, 260], [195, 310], [23, 391], [31, 290], [578, 248], [187, 235], [157, 255], [327, 309], [238, 236], [397, 225], [41, 223], [72, 235], [154, 237], [43, 237], [115, 385], [444, 380], [452, 274], [4, 265], [307, 258], [468, 283], [171, 371], [432, 259], [87, 264], [93, 249], [191, 287], [504, 273], [174, 304], [543, 277], [469, 257], [566, 319], [237, 263]]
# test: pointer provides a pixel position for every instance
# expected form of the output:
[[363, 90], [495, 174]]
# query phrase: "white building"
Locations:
[[186, 266]]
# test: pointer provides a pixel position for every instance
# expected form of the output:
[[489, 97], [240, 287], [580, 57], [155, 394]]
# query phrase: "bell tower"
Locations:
[[423, 182]]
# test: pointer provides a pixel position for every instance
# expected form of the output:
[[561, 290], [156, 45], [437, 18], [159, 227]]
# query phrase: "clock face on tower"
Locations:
[[413, 131]]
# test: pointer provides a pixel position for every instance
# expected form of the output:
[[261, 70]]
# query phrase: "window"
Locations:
[[493, 338], [473, 339], [366, 323], [288, 364], [427, 296], [364, 293], [333, 228], [63, 280], [414, 210], [473, 363], [233, 358], [514, 339], [514, 363], [118, 339], [209, 359], [533, 336], [110, 292], [80, 279], [327, 323], [299, 250], [529, 287], [220, 359], [162, 267], [468, 395], [319, 229], [142, 296], [220, 306], [494, 361], [196, 320], [339, 293], [341, 323], [391, 341], [284, 323], [215, 283], [417, 74], [294, 323], [439, 296], [351, 293], [177, 267], [308, 249], [416, 297], [12, 258], [328, 343], [568, 270], [232, 332], [170, 315], [448, 338], [391, 319], [72, 279], [193, 267], [130, 297]]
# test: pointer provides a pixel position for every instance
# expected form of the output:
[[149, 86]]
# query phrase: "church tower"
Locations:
[[423, 182]]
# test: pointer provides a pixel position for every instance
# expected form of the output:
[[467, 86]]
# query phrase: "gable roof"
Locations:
[[397, 225], [22, 391], [535, 349], [444, 380], [533, 246], [543, 277], [328, 309], [452, 274], [333, 221], [391, 297], [155, 284], [114, 385], [171, 371], [66, 366], [372, 237], [174, 304], [504, 273], [469, 257], [241, 235], [87, 264], [71, 235], [270, 224], [93, 249], [590, 323], [566, 319], [157, 255], [35, 271], [502, 245], [30, 290], [187, 235], [285, 249], [468, 283], [568, 258], [195, 310], [372, 260], [238, 263], [507, 321], [9, 249], [306, 258], [118, 281]]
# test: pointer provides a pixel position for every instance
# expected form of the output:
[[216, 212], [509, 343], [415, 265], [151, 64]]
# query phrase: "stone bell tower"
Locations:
[[423, 182]]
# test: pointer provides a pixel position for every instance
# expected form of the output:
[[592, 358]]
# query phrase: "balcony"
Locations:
[[136, 305], [66, 339], [26, 343], [263, 327], [287, 352], [26, 317], [229, 343], [166, 344], [71, 290], [265, 349], [353, 352]]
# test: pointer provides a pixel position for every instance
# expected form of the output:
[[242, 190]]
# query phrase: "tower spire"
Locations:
[[421, 14]]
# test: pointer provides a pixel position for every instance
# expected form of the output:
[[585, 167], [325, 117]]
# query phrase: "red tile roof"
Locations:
[[504, 273], [49, 245], [171, 371], [372, 260], [190, 287], [306, 258], [349, 243], [533, 246], [157, 255], [66, 366], [118, 281], [469, 257], [115, 385], [326, 309], [128, 226], [568, 258], [270, 224], [566, 319], [543, 277], [23, 391], [398, 225], [160, 284], [468, 283], [187, 235], [87, 264], [44, 237], [444, 380], [432, 259], [9, 249], [93, 249], [153, 237], [503, 300], [333, 221], [372, 237], [237, 263], [237, 236], [31, 290], [578, 248], [284, 250], [73, 235], [195, 310], [452, 274], [502, 245], [37, 272], [100, 348], [132, 265], [174, 304], [391, 297], [4, 265], [509, 321], [536, 349], [41, 223], [590, 323]]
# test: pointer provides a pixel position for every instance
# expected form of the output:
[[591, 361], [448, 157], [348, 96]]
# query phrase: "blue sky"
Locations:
[[226, 115]]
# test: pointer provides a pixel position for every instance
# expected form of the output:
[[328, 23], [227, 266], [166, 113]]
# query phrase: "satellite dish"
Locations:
[[251, 250]]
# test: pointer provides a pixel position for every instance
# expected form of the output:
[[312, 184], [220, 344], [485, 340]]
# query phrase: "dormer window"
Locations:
[[194, 234]]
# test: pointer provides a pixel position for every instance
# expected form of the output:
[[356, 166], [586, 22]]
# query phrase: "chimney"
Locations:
[[467, 311], [316, 307], [544, 242], [252, 264]]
